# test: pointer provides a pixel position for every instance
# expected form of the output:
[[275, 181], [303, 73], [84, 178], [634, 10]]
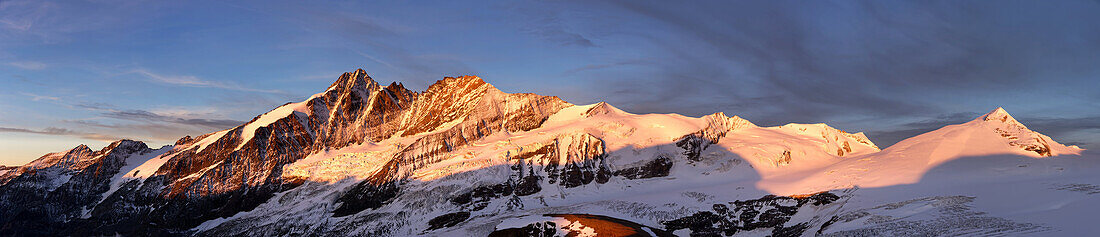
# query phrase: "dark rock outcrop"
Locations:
[[448, 220], [365, 196], [478, 198], [658, 167], [718, 125], [767, 212]]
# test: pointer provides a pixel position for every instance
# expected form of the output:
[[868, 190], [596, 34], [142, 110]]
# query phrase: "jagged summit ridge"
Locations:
[[357, 80], [354, 110]]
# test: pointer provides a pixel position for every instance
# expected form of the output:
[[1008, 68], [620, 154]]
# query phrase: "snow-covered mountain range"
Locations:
[[463, 158]]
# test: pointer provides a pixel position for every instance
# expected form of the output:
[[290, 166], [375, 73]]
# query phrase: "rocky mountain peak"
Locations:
[[396, 89], [396, 86], [184, 140], [720, 119], [80, 149], [602, 108], [357, 80], [458, 84], [124, 145], [463, 79]]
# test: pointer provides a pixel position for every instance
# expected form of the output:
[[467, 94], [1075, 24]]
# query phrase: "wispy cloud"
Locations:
[[29, 65], [61, 132], [46, 131], [181, 118], [9, 24], [845, 61], [372, 58], [35, 97], [193, 81], [1077, 131], [21, 15], [142, 131], [556, 33], [32, 21], [150, 116], [886, 138], [158, 126], [551, 26], [592, 67]]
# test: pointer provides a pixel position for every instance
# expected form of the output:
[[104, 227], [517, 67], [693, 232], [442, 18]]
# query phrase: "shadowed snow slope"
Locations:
[[463, 158]]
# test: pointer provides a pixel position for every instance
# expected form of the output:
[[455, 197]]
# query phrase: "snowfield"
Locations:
[[466, 159], [963, 179]]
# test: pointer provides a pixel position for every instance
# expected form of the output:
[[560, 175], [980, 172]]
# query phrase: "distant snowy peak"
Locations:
[[603, 108], [1000, 115], [78, 159], [4, 170], [81, 156], [994, 133], [1019, 136], [843, 141], [720, 120], [65, 157]]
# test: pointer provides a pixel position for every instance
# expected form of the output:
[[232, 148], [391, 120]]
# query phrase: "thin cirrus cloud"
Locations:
[[137, 115], [138, 124], [60, 132], [28, 65], [193, 81], [153, 117], [135, 124], [36, 97]]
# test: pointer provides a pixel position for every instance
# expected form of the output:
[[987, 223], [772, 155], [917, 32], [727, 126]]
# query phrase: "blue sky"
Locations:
[[88, 72]]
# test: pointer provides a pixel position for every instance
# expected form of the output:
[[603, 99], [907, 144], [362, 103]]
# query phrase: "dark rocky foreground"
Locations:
[[769, 212], [601, 225]]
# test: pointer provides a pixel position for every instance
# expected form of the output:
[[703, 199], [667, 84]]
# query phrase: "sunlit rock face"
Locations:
[[244, 164], [354, 110], [462, 158]]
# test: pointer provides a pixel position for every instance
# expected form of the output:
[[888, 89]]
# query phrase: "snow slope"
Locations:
[[975, 165], [299, 109], [465, 159], [993, 134], [729, 168]]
